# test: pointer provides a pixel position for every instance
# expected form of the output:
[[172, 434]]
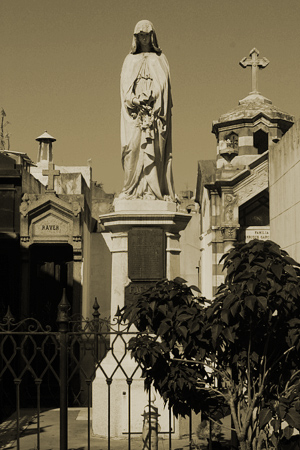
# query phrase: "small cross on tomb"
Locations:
[[255, 64], [51, 173]]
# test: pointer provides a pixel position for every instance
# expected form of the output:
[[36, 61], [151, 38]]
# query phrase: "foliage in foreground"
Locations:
[[170, 320], [240, 351]]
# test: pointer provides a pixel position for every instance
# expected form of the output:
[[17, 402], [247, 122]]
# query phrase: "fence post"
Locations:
[[96, 324], [63, 324]]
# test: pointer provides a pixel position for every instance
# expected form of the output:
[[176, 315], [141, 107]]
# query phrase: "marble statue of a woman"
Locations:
[[146, 119]]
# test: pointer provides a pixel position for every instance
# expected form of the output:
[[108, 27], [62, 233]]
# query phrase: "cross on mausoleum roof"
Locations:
[[51, 173], [255, 64]]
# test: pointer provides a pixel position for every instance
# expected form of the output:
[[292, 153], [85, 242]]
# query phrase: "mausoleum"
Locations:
[[233, 190], [49, 215]]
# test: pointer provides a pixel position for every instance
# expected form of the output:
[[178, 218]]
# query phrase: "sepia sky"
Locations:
[[61, 62]]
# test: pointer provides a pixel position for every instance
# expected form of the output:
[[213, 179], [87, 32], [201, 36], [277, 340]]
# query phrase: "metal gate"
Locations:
[[41, 367]]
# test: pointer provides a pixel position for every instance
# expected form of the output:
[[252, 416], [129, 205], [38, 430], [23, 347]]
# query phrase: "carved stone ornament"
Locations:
[[229, 233], [24, 239], [230, 203], [77, 238], [77, 254], [76, 208], [24, 205]]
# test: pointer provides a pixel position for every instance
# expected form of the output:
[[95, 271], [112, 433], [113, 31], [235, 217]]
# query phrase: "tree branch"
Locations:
[[222, 373]]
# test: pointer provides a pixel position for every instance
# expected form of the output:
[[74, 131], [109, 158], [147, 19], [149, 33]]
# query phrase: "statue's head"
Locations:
[[144, 26]]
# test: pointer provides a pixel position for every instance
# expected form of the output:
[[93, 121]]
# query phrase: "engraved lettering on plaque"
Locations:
[[146, 254], [136, 288], [51, 225]]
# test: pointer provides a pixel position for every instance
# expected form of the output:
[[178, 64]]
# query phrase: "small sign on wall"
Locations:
[[261, 233]]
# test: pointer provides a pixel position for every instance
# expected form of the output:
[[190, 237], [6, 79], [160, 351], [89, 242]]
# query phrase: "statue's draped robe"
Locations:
[[146, 138]]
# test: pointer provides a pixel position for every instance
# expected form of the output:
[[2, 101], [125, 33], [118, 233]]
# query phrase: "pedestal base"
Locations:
[[111, 387], [112, 395]]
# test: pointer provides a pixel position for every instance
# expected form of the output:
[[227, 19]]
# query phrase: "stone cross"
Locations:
[[51, 173], [255, 64]]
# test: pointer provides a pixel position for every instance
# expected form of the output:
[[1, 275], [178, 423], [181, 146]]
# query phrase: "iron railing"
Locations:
[[57, 369]]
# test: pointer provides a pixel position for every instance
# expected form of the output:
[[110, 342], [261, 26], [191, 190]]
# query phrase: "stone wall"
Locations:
[[190, 251], [31, 185], [98, 273], [284, 169]]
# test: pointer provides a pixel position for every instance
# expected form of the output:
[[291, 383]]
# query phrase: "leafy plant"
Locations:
[[240, 351], [169, 318], [254, 325]]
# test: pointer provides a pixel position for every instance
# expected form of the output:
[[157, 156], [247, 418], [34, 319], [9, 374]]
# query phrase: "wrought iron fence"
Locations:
[[40, 367]]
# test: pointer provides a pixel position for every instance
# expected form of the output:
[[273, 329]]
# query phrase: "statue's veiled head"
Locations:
[[144, 26]]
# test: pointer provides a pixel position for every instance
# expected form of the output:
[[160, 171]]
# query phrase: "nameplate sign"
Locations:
[[51, 226], [261, 233], [146, 254]]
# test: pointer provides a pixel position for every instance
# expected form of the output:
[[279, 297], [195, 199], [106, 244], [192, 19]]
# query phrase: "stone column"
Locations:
[[25, 281], [77, 285], [229, 237], [119, 280], [230, 218], [172, 255]]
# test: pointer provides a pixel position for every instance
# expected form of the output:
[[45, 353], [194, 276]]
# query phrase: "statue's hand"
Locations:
[[145, 108], [136, 102], [141, 104]]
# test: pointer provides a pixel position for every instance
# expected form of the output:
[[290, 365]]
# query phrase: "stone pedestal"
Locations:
[[113, 383]]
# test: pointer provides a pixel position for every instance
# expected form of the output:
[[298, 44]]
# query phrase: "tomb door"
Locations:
[[51, 270]]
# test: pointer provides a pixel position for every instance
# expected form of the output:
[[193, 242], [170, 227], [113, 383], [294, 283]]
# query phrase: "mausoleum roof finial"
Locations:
[[45, 148], [45, 136], [253, 112], [255, 63]]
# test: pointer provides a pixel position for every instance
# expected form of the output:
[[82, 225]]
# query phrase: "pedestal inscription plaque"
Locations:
[[136, 288], [146, 254]]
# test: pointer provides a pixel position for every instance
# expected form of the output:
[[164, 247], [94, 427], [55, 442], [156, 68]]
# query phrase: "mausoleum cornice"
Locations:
[[259, 160], [251, 120], [173, 222], [236, 178], [216, 185]]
